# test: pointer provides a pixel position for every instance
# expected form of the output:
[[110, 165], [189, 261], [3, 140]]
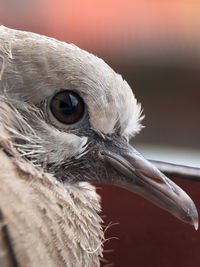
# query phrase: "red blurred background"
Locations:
[[155, 45]]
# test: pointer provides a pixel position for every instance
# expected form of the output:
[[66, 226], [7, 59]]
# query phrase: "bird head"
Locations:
[[72, 115]]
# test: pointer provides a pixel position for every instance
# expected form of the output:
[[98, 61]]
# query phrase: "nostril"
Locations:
[[101, 154]]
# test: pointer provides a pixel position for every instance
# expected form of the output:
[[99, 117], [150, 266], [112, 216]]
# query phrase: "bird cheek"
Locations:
[[81, 146], [65, 146]]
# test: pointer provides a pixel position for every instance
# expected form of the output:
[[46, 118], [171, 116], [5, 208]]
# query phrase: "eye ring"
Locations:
[[67, 107]]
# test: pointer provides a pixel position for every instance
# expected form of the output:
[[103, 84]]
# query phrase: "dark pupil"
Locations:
[[67, 107]]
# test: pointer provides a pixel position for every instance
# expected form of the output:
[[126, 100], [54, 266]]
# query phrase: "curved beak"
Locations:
[[129, 169]]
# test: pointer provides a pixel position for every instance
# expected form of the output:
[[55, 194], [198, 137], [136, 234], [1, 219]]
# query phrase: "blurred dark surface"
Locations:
[[155, 46], [145, 235]]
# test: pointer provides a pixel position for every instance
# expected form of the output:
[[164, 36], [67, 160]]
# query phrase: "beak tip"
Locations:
[[194, 216], [196, 225]]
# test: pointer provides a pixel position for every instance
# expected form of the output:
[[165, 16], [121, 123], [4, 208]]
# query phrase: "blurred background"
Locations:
[[155, 45]]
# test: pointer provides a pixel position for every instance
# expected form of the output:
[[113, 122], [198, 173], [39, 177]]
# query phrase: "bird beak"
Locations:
[[130, 170]]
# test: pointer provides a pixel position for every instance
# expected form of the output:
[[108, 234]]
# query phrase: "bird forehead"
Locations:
[[112, 106]]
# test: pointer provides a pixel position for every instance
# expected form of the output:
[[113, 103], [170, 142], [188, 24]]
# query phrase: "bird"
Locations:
[[66, 119]]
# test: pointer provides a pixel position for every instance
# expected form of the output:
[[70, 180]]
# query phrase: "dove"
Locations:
[[67, 118]]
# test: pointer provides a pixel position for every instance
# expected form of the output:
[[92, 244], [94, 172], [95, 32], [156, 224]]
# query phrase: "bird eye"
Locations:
[[67, 107]]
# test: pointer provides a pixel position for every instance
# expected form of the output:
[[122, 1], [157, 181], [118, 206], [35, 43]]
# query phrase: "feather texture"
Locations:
[[48, 222], [34, 67]]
